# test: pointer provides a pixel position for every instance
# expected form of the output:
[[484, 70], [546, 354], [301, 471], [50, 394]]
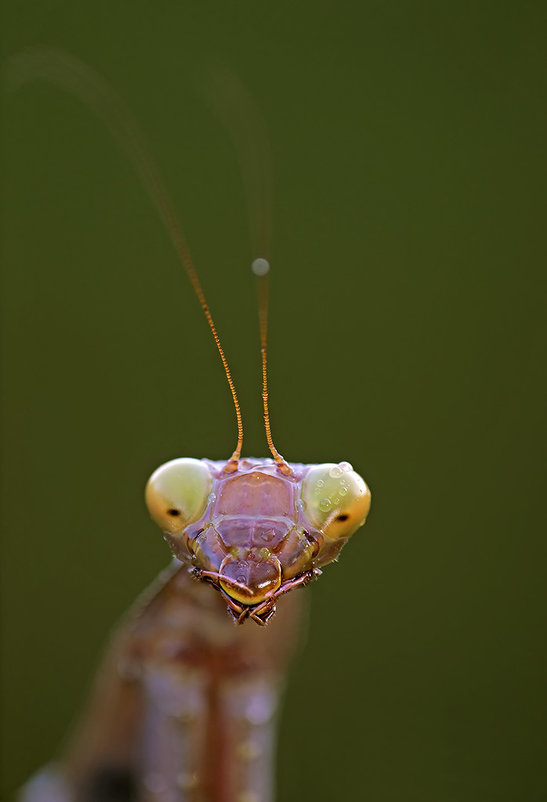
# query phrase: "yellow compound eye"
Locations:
[[336, 499], [177, 492]]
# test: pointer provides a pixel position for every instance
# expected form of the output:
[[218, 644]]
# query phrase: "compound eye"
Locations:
[[177, 492], [336, 499]]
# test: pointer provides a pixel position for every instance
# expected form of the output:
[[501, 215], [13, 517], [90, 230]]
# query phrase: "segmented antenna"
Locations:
[[261, 269], [72, 75], [237, 110]]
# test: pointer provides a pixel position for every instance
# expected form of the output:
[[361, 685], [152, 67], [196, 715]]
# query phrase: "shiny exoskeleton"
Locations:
[[255, 532]]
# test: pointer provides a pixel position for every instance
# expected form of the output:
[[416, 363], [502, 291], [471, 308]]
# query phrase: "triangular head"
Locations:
[[256, 532]]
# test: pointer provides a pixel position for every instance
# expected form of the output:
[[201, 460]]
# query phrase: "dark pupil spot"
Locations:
[[173, 512], [342, 517]]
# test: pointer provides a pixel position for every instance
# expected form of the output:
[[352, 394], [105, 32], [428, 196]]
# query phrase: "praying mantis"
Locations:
[[185, 703]]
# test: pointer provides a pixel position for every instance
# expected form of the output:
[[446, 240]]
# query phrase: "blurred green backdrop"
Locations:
[[407, 312]]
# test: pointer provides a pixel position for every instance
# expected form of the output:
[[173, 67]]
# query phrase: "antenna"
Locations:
[[238, 112], [75, 77], [261, 269]]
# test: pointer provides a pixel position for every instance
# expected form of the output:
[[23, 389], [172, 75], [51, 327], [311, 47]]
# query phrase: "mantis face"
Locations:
[[256, 532]]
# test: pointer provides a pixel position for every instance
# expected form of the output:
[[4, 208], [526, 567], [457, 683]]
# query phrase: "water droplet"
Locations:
[[335, 472], [343, 490], [345, 466], [325, 504], [336, 499], [240, 578], [260, 266], [320, 483]]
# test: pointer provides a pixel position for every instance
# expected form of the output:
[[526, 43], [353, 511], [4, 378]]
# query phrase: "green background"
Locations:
[[407, 309]]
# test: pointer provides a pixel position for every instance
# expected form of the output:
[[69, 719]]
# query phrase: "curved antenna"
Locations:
[[239, 114], [75, 77]]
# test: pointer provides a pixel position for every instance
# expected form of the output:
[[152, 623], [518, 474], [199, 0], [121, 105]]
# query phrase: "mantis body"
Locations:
[[185, 703]]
